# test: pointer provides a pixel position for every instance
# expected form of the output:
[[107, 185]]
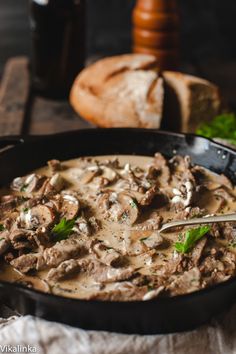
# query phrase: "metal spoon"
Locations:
[[198, 221]]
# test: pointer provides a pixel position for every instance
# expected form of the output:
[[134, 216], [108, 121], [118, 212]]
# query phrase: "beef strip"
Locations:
[[4, 242], [105, 274], [186, 283], [177, 264], [161, 165], [198, 251], [22, 239], [64, 270], [73, 247], [229, 232], [28, 262], [149, 195], [132, 294], [107, 255], [152, 223]]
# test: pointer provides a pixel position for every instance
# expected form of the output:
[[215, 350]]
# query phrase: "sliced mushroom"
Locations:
[[118, 207], [57, 182], [70, 206], [40, 215], [89, 174], [184, 195], [28, 184], [109, 174], [129, 207], [18, 183], [33, 183], [54, 166]]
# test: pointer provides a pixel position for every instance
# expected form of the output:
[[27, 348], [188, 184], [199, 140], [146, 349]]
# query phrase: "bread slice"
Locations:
[[188, 101], [120, 91]]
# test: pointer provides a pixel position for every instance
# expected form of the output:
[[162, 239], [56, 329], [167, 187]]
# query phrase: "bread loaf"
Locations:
[[123, 91], [128, 91]]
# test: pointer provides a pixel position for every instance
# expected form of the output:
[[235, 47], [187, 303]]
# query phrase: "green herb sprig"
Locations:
[[222, 126], [63, 230], [2, 228], [191, 237]]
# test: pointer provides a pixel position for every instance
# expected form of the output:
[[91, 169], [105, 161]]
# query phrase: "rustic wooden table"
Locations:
[[22, 112]]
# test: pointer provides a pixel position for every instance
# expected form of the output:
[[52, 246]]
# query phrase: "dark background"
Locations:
[[208, 29]]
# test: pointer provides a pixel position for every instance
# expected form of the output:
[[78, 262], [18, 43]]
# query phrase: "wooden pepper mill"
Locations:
[[156, 31]]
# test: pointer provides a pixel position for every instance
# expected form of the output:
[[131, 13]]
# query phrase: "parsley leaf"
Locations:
[[222, 126], [2, 228], [191, 237], [63, 230]]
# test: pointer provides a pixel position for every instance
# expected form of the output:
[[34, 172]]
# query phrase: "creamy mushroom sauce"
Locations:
[[112, 208]]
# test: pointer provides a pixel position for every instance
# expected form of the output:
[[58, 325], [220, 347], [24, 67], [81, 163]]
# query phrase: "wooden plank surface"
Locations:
[[23, 112], [14, 93], [50, 116]]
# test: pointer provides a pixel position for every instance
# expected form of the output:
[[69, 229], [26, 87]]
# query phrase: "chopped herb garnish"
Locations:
[[143, 239], [25, 210], [23, 188], [150, 288], [2, 228], [63, 230], [232, 244], [124, 216], [191, 237], [180, 237], [133, 204], [2, 238], [223, 126]]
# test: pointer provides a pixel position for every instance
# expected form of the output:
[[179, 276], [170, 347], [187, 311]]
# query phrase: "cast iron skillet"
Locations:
[[160, 315]]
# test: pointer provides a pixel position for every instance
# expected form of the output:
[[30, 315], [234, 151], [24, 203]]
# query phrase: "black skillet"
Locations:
[[163, 315]]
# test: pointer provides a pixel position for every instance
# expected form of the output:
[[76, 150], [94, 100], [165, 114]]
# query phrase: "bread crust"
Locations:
[[128, 91], [121, 91]]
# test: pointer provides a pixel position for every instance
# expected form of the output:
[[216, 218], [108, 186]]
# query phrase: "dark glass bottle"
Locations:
[[58, 45]]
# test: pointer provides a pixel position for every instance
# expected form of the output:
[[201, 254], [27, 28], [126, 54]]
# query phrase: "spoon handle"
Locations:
[[198, 221]]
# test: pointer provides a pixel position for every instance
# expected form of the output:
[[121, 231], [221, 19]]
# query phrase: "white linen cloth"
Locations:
[[217, 337]]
